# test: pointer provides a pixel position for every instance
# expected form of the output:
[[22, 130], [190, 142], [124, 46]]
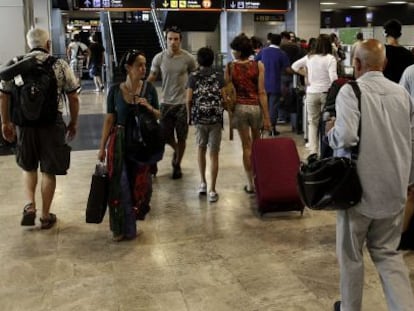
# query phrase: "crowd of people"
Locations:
[[193, 93]]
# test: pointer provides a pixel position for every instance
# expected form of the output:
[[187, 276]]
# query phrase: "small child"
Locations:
[[205, 111]]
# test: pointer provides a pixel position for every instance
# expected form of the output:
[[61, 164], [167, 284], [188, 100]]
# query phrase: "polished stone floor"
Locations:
[[192, 255]]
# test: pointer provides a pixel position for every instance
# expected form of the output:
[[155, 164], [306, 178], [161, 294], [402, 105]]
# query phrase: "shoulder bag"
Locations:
[[332, 183]]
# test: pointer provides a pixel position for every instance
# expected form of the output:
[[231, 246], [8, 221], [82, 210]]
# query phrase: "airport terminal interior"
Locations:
[[190, 254]]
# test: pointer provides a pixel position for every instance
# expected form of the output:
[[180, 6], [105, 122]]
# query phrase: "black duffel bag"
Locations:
[[329, 184]]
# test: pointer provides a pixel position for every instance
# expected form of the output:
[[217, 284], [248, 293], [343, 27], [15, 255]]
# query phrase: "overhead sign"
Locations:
[[269, 17], [189, 5], [257, 6], [114, 4]]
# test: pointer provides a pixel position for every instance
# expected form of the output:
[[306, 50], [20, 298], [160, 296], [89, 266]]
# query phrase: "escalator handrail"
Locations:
[[158, 29], [111, 33]]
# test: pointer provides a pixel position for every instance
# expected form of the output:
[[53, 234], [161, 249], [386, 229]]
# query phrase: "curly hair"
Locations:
[[242, 44]]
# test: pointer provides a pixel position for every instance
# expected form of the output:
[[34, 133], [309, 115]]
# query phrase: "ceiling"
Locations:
[[346, 4]]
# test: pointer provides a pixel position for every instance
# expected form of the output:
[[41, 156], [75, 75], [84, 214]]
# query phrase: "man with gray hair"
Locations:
[[44, 143], [385, 167]]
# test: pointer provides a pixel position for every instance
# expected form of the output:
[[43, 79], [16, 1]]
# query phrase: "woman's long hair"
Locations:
[[323, 45]]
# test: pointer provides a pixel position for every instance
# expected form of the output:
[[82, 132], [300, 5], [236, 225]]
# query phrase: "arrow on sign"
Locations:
[[165, 4]]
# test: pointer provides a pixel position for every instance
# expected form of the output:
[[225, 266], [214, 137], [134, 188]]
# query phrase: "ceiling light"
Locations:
[[328, 3], [358, 6], [397, 2]]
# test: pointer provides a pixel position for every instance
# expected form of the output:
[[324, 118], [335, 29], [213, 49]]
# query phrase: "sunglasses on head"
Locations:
[[131, 55]]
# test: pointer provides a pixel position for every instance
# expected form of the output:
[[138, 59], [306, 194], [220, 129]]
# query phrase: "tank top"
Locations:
[[245, 77]]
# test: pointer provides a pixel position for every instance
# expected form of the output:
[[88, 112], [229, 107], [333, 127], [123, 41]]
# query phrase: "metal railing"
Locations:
[[111, 33], [158, 29]]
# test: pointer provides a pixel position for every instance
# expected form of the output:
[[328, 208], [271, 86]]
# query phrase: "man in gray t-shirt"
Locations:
[[174, 65]]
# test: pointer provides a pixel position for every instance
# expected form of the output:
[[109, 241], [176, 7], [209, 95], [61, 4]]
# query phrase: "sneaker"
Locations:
[[337, 306], [212, 196], [202, 190]]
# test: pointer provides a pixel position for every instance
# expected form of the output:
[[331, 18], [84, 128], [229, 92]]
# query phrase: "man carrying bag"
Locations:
[[385, 163]]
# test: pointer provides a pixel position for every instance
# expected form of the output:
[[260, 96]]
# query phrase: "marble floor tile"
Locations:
[[192, 255]]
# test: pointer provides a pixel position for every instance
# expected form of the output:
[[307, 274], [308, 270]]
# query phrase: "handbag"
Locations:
[[329, 184], [229, 93], [332, 183], [144, 139], [98, 195]]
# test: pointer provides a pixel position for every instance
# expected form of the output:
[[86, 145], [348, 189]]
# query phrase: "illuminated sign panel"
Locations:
[[113, 4], [198, 5], [258, 6]]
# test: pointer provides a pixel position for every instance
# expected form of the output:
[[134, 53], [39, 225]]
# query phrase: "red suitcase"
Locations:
[[275, 164]]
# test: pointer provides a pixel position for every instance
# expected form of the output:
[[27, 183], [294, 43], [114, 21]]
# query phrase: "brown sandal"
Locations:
[[49, 222], [29, 215]]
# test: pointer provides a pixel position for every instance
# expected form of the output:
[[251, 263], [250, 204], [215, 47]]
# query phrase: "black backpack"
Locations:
[[34, 94], [144, 140], [329, 111], [207, 101], [332, 93]]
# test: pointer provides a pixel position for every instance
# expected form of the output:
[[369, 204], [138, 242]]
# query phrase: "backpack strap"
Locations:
[[357, 91]]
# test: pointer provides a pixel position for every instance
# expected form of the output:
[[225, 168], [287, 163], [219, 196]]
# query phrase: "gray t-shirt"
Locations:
[[174, 71]]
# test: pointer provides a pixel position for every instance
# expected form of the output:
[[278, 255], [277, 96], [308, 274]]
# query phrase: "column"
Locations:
[[230, 26], [12, 34], [304, 18]]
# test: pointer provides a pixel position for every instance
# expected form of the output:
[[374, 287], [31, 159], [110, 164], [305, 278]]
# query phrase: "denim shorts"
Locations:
[[245, 116], [174, 121], [209, 135], [45, 146]]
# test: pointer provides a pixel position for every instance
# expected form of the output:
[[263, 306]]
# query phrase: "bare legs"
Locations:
[[98, 83], [214, 166], [48, 186], [247, 136]]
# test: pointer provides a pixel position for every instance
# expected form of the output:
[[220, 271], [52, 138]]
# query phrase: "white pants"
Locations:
[[382, 237], [315, 102]]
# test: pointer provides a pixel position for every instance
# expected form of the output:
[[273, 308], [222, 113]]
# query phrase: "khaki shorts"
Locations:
[[209, 135], [245, 116]]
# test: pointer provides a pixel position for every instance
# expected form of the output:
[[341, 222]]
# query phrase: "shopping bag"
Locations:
[[98, 195]]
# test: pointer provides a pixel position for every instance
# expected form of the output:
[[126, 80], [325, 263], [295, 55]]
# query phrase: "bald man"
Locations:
[[385, 165]]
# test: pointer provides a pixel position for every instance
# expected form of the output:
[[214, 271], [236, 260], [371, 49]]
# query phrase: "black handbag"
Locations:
[[329, 184], [98, 195], [332, 183]]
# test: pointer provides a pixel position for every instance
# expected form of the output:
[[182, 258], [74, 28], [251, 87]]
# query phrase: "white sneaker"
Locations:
[[202, 190], [212, 196]]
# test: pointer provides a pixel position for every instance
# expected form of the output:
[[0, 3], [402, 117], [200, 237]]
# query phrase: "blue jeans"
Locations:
[[273, 100]]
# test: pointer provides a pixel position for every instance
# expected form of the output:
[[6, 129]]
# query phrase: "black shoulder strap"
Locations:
[[357, 91], [143, 88]]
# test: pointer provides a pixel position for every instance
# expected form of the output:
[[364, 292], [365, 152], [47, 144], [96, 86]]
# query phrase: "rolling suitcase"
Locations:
[[275, 164]]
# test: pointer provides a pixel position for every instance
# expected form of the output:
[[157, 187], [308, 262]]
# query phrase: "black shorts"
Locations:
[[95, 70], [45, 146]]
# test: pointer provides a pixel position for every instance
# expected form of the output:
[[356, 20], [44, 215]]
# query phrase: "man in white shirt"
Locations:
[[385, 168], [77, 52]]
